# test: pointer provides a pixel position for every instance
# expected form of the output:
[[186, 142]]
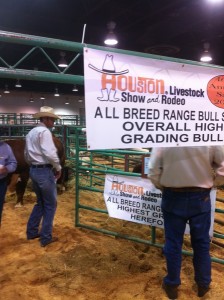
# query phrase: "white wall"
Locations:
[[18, 102]]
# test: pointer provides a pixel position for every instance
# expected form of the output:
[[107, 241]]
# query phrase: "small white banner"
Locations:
[[136, 199]]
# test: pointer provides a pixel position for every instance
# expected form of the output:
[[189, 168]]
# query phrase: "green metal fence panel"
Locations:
[[25, 118], [90, 177], [21, 130], [8, 118]]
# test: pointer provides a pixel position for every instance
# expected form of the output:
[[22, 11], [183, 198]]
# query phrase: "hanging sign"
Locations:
[[133, 101]]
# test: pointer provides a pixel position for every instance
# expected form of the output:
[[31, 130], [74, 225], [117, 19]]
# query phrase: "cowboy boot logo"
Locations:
[[112, 95], [105, 95]]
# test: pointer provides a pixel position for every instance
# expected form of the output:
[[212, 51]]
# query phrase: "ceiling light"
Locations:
[[216, 1], [6, 91], [56, 94], [62, 62], [75, 89], [42, 97], [111, 38], [67, 103], [80, 100], [18, 84], [31, 99], [206, 55]]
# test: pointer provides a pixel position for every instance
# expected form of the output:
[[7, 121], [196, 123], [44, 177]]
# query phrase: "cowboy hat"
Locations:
[[108, 67], [109, 72], [46, 111]]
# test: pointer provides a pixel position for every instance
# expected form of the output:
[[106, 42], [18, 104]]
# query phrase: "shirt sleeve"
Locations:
[[49, 150], [155, 167], [11, 162], [218, 165], [26, 155]]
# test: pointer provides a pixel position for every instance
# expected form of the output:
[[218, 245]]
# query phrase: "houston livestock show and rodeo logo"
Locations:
[[137, 89], [127, 85], [118, 81]]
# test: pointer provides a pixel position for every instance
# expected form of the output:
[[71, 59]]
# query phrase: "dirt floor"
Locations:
[[85, 264]]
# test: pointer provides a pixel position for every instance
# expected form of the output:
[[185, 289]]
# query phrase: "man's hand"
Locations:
[[3, 170], [57, 174]]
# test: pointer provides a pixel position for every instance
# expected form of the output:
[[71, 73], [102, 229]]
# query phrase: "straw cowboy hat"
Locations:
[[108, 67], [46, 111]]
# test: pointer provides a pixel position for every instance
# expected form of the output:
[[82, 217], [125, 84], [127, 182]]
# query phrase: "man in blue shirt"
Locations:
[[8, 164]]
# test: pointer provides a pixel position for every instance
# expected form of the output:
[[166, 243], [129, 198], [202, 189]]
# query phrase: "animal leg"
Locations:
[[21, 187]]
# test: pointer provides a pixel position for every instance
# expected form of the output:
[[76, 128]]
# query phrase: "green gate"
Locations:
[[90, 177]]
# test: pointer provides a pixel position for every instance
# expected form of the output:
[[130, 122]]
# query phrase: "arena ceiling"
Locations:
[[177, 28]]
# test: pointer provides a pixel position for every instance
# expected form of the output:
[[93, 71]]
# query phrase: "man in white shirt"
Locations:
[[45, 169], [186, 175]]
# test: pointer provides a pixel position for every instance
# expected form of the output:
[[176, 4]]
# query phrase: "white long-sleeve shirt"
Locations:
[[40, 148], [186, 166]]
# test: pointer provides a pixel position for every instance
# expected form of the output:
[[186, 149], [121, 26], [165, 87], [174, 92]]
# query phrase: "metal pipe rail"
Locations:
[[43, 42]]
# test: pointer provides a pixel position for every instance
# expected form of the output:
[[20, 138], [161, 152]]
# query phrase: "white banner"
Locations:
[[137, 200], [134, 101]]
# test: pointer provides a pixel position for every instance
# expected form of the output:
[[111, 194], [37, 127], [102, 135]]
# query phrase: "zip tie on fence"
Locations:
[[105, 167]]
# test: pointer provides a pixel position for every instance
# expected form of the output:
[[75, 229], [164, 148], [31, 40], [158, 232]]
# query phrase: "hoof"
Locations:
[[10, 194], [18, 205]]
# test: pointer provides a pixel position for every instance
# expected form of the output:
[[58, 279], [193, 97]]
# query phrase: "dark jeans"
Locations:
[[178, 208], [44, 186], [3, 189]]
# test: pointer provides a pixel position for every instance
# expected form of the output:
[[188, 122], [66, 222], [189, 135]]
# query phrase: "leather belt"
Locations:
[[188, 189], [42, 166]]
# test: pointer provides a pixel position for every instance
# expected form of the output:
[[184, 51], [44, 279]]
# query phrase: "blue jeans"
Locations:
[[3, 188], [44, 210], [178, 209]]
